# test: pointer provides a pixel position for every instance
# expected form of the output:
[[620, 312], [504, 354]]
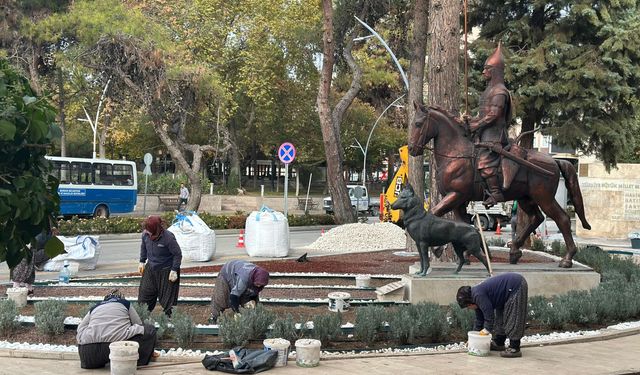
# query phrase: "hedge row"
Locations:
[[133, 224]]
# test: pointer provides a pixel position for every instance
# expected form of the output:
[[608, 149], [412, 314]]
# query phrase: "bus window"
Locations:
[[80, 173], [60, 171], [102, 174], [123, 175]]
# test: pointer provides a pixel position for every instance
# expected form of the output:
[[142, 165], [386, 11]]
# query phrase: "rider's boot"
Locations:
[[495, 193]]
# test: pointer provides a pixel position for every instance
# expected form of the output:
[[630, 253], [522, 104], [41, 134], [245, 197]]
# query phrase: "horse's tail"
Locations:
[[571, 182]]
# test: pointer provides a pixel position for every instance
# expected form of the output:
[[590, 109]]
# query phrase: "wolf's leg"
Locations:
[[424, 259], [422, 270]]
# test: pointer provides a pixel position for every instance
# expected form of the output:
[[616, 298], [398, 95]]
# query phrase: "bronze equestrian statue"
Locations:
[[528, 176]]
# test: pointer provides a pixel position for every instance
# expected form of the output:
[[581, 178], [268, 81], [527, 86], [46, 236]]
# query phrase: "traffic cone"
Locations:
[[498, 230], [241, 239], [322, 233]]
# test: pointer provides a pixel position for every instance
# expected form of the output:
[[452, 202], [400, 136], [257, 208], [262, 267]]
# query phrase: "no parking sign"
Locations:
[[286, 152]]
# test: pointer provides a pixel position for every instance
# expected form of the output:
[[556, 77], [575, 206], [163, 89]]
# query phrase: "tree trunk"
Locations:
[[416, 92], [102, 137], [330, 122], [61, 114], [254, 163], [444, 49]]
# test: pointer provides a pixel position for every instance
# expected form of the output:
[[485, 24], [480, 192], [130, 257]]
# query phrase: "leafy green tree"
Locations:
[[28, 194], [573, 67]]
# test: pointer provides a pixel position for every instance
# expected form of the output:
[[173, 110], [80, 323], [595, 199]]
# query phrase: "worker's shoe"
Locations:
[[497, 347], [511, 353]]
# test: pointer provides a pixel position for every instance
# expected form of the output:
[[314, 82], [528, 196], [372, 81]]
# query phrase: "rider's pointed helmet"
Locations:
[[496, 60]]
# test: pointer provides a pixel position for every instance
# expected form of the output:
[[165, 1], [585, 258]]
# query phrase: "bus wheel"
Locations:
[[101, 211]]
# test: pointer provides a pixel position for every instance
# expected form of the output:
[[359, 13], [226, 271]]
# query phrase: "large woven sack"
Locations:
[[267, 234], [197, 241], [81, 250]]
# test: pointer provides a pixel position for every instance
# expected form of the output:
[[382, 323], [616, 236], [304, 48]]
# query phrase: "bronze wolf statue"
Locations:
[[428, 230]]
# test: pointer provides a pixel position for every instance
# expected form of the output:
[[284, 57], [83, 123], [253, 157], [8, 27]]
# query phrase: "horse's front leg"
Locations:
[[448, 203]]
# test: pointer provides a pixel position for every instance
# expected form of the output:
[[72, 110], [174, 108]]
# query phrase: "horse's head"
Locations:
[[433, 122], [419, 136]]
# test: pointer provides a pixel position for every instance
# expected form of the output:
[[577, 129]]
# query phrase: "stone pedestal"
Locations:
[[544, 279]]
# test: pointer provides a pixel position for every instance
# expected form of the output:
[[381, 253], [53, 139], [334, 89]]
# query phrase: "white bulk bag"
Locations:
[[197, 241], [81, 250], [267, 234]]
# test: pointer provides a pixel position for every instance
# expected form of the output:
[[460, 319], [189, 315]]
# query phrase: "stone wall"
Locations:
[[612, 200]]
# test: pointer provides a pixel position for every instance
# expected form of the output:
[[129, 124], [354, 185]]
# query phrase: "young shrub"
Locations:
[[142, 310], [258, 319], [369, 321], [326, 327], [431, 321], [558, 248], [284, 329], [8, 313], [496, 241], [401, 326], [556, 316], [50, 316], [461, 319], [538, 306], [183, 328], [580, 307], [233, 331], [161, 322]]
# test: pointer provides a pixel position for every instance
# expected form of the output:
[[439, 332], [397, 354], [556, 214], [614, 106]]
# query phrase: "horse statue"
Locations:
[[533, 182]]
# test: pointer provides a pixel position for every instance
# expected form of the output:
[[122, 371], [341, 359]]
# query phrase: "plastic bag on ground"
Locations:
[[82, 252], [267, 234], [197, 241], [250, 361]]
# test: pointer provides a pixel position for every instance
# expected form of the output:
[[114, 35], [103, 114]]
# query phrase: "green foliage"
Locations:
[[558, 248], [537, 244], [401, 326], [496, 241], [184, 330], [142, 310], [28, 195], [369, 322], [49, 316], [161, 321], [249, 324], [8, 313], [326, 327], [167, 184], [284, 329], [429, 320], [461, 319]]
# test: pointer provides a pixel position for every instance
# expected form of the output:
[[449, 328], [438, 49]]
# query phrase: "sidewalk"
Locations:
[[615, 356]]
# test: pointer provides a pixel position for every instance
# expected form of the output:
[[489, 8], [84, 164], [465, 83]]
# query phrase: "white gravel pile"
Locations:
[[361, 237]]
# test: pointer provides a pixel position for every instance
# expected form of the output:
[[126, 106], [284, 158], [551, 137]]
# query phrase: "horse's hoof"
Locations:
[[514, 257], [565, 263]]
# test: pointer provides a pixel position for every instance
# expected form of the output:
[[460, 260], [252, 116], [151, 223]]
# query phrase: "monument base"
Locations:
[[544, 279]]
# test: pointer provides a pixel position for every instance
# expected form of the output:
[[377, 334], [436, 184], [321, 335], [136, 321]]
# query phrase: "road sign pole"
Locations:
[[286, 188], [144, 204]]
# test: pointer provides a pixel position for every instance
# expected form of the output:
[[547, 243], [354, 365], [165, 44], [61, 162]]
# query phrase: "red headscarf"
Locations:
[[153, 226]]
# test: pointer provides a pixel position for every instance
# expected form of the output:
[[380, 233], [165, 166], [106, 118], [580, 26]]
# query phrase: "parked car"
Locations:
[[364, 204]]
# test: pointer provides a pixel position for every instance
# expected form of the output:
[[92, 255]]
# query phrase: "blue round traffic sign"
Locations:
[[286, 152]]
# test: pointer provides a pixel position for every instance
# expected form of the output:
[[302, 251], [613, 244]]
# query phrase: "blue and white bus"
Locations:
[[95, 187]]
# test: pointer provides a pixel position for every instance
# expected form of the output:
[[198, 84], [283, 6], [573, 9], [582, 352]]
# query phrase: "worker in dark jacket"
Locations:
[[238, 283], [111, 320], [500, 303], [160, 259]]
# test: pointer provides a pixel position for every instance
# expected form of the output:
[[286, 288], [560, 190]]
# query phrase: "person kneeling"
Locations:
[[111, 320], [238, 283], [500, 303]]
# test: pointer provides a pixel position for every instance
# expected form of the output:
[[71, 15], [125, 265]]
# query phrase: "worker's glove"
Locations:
[[234, 302], [141, 268], [173, 276], [484, 332]]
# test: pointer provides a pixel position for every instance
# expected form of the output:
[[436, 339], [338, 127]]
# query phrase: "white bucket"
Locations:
[[362, 281], [478, 345], [123, 357], [307, 352], [18, 295], [339, 301], [282, 346]]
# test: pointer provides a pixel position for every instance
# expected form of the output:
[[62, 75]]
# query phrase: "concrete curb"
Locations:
[[608, 334]]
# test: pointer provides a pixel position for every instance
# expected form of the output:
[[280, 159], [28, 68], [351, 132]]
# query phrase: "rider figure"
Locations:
[[490, 127]]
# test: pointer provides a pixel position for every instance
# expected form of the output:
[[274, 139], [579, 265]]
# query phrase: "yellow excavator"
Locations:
[[395, 186]]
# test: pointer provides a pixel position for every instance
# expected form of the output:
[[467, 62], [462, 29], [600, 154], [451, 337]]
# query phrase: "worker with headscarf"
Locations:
[[160, 258], [113, 319], [500, 303], [238, 283]]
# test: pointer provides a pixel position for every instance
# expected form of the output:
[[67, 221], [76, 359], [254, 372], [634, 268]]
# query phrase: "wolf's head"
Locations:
[[406, 199]]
